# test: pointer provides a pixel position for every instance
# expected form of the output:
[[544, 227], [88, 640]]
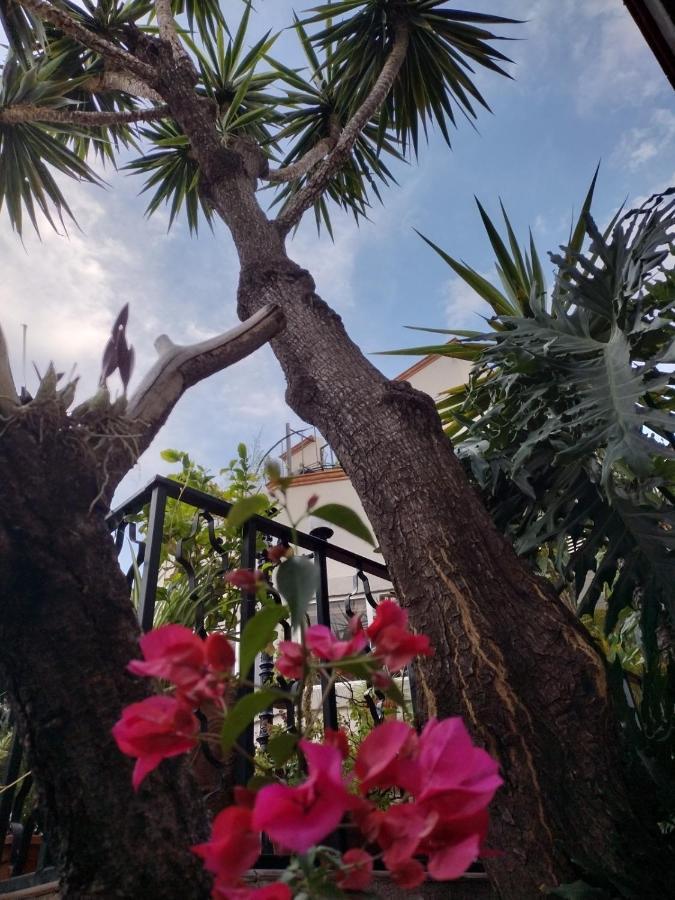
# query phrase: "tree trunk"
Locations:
[[67, 632], [510, 657]]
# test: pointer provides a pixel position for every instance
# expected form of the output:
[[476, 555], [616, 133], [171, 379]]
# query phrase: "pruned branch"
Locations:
[[20, 114], [307, 162], [180, 367], [87, 38], [8, 395], [318, 182]]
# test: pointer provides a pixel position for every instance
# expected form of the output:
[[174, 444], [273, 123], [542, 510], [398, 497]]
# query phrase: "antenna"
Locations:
[[25, 332]]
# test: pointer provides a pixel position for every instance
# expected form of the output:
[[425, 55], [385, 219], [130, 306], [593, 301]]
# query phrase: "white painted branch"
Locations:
[[180, 367], [8, 396]]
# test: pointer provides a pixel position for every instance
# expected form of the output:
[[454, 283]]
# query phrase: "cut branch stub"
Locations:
[[180, 367]]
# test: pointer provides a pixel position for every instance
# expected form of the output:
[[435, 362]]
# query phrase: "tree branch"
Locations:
[[180, 367], [87, 38], [168, 30], [16, 115], [8, 396], [310, 159], [316, 185], [116, 80]]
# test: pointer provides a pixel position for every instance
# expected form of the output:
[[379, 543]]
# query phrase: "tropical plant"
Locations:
[[567, 426]]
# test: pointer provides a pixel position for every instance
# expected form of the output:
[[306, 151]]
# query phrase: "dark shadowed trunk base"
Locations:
[[67, 632], [510, 657]]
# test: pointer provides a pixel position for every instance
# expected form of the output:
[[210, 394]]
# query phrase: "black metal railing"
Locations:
[[257, 533]]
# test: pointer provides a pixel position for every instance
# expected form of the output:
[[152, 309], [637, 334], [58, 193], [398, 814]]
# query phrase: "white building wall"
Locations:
[[432, 375]]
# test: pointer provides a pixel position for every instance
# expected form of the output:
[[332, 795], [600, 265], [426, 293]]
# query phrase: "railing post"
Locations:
[[153, 551], [330, 717], [243, 768]]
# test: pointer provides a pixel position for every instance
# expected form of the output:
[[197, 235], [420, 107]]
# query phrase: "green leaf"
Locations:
[[258, 633], [172, 456], [297, 582], [344, 518], [245, 509], [244, 712], [281, 747]]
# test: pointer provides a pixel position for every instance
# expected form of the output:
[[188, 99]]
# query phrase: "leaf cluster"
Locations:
[[286, 111], [567, 425]]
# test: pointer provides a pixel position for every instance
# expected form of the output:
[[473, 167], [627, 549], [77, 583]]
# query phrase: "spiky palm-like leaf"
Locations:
[[316, 108], [29, 151], [566, 424], [567, 420], [436, 80], [173, 173], [229, 77]]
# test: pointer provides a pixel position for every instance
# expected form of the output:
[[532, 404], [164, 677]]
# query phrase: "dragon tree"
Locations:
[[217, 119]]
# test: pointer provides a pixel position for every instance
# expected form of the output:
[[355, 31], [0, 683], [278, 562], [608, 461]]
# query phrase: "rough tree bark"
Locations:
[[68, 630], [510, 657]]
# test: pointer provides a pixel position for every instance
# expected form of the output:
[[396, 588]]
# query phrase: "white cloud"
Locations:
[[640, 145], [613, 64], [462, 305], [332, 264]]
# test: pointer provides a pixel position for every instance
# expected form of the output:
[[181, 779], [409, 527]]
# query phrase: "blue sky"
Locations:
[[586, 88]]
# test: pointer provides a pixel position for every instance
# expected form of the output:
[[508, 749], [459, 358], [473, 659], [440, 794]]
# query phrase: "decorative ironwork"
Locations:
[[256, 533]]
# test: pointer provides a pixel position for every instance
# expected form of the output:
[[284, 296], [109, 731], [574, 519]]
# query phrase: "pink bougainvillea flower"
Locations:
[[276, 554], [195, 667], [387, 614], [450, 769], [276, 891], [247, 580], [300, 817], [454, 843], [386, 757], [219, 652], [337, 739], [358, 872], [452, 783], [233, 848], [392, 642], [402, 829], [154, 729], [291, 662], [409, 874], [325, 645]]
